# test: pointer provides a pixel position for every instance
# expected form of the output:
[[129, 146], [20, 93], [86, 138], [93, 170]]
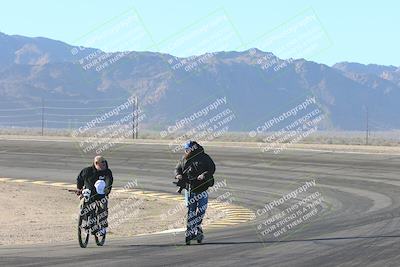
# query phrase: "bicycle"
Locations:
[[88, 219]]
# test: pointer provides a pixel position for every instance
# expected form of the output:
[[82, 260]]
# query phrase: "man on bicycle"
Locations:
[[197, 169], [98, 179]]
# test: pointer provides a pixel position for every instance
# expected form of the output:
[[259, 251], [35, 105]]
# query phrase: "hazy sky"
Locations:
[[361, 31]]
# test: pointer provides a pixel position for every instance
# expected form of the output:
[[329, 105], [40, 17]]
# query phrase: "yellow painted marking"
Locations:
[[177, 198], [236, 220], [139, 192], [234, 214], [19, 180], [153, 194], [224, 223], [171, 197], [239, 213], [162, 195], [41, 182], [59, 184], [119, 190]]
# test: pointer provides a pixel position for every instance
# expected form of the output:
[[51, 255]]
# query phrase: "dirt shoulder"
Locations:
[[326, 147], [33, 214], [350, 148]]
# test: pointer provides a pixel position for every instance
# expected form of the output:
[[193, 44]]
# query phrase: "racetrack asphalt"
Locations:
[[356, 225]]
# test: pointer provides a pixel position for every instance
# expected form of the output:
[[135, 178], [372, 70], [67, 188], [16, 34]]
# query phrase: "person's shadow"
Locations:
[[268, 241]]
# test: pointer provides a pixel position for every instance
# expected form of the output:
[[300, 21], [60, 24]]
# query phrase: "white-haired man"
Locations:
[[98, 179]]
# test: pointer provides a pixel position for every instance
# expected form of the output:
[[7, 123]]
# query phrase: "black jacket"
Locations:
[[89, 175], [196, 163]]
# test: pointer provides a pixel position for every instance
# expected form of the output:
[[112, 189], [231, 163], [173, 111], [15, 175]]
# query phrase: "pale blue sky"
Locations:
[[361, 31]]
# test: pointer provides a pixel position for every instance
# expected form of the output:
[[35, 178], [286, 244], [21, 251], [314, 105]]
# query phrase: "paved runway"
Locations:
[[357, 223]]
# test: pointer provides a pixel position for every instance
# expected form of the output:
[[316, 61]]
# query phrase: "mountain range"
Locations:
[[44, 77]]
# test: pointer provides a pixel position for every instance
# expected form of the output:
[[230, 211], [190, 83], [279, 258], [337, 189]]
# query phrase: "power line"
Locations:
[[78, 115], [102, 122], [17, 109], [19, 116], [70, 108], [59, 100], [17, 122]]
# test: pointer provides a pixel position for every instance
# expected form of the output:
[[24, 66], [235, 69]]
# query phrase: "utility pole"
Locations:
[[133, 120], [42, 116], [367, 129], [137, 117]]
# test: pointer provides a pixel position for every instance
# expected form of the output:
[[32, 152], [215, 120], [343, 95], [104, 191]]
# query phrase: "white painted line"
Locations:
[[177, 230]]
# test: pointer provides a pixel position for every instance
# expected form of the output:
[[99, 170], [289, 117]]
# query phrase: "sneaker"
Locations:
[[187, 240], [189, 237], [200, 235], [102, 231]]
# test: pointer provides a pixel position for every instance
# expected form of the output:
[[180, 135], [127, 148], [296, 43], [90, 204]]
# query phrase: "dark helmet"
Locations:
[[188, 145]]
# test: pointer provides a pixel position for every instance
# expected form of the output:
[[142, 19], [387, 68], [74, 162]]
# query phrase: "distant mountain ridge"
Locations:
[[32, 69]]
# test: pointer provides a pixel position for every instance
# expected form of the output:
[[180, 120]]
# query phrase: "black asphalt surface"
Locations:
[[356, 225]]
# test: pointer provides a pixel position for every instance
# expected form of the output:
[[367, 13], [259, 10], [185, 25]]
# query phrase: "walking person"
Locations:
[[195, 172]]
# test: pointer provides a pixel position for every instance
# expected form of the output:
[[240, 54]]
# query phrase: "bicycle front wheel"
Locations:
[[83, 230]]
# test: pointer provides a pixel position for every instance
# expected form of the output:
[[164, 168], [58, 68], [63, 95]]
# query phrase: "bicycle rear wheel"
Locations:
[[100, 237]]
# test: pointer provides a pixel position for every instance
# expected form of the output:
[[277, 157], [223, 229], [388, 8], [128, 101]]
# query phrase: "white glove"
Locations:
[[200, 177]]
